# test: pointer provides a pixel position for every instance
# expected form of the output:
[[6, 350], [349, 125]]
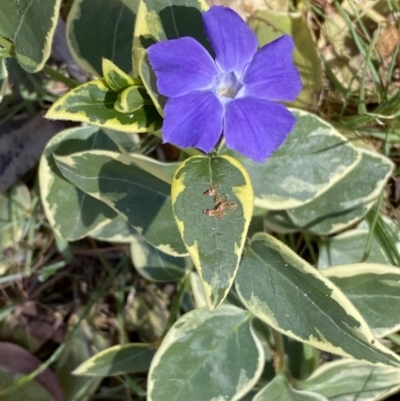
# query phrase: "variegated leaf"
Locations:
[[348, 248], [349, 200], [160, 20], [115, 78], [120, 359], [312, 159], [374, 291], [349, 380], [212, 355], [132, 99], [154, 265], [30, 24], [116, 229], [93, 103], [146, 73], [99, 29], [143, 199], [212, 198], [72, 213], [279, 389], [287, 293]]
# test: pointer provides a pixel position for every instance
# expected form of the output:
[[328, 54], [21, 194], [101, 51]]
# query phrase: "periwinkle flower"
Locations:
[[235, 94]]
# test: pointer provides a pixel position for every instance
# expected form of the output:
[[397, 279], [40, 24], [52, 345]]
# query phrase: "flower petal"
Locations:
[[272, 75], [231, 38], [181, 66], [256, 127], [193, 120]]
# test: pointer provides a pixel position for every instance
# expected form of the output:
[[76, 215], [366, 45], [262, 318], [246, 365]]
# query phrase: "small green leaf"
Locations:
[[347, 201], [349, 248], [280, 389], [350, 380], [99, 29], [116, 79], [212, 198], [143, 199], [155, 265], [214, 355], [313, 158], [120, 359], [93, 103], [30, 24], [131, 99], [374, 291], [287, 293]]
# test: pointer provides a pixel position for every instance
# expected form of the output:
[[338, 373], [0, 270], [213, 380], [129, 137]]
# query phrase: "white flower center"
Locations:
[[227, 85]]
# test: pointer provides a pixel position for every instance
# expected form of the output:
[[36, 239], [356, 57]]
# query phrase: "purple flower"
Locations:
[[235, 93]]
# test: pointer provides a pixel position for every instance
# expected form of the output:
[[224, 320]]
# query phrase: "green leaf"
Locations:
[[144, 200], [212, 198], [93, 103], [159, 20], [132, 99], [347, 201], [280, 389], [268, 25], [287, 293], [71, 212], [374, 291], [349, 248], [349, 380], [115, 78], [155, 265], [311, 160], [99, 29], [30, 24], [214, 355], [120, 359]]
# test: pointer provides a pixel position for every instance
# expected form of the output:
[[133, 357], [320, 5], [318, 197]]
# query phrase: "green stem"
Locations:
[[279, 358], [71, 83]]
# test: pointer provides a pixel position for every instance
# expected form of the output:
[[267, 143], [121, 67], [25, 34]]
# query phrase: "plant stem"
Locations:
[[279, 355], [71, 83]]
